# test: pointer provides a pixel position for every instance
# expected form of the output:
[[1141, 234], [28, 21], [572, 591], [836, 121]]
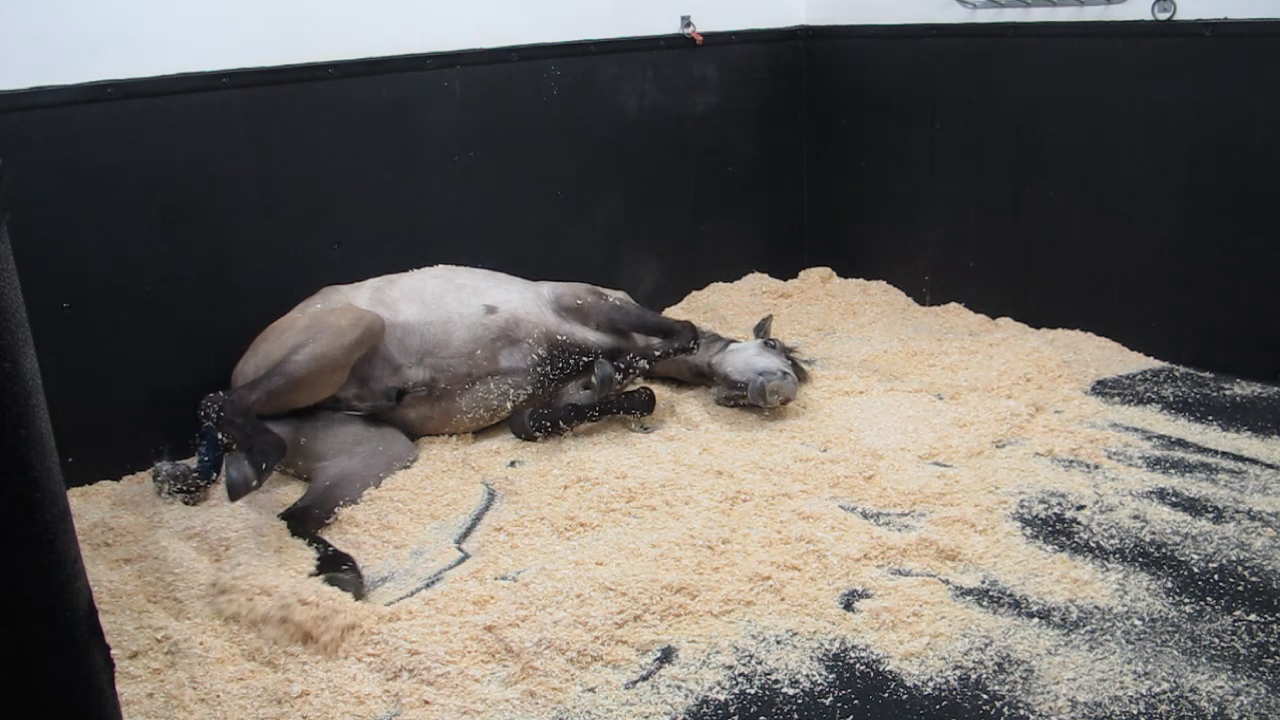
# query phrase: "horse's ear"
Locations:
[[763, 328]]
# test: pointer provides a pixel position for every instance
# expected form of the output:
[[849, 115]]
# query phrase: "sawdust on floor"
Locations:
[[723, 529]]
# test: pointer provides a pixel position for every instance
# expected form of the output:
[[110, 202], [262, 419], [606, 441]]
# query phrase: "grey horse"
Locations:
[[336, 391]]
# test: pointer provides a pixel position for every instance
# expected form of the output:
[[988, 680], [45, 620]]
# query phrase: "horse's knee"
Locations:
[[540, 422]]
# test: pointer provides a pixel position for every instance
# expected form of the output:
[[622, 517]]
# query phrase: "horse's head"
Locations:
[[763, 371]]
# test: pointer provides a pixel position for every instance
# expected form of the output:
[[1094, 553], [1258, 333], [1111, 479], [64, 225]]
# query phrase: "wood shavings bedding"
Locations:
[[876, 515]]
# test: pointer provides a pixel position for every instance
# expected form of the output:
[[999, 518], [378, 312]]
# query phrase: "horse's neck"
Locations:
[[696, 368]]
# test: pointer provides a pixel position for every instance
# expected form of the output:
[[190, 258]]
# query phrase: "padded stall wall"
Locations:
[[159, 225], [1118, 178]]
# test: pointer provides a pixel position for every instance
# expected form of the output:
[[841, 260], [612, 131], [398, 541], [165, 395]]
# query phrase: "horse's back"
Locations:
[[441, 323], [462, 304]]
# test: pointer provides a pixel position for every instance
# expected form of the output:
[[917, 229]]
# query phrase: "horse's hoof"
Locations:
[[604, 378], [538, 423], [348, 580], [175, 481], [640, 402], [265, 453], [341, 571], [241, 478], [521, 427], [246, 470]]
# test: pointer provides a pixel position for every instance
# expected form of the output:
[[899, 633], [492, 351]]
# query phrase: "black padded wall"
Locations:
[[55, 657], [1111, 177], [158, 233], [1119, 178]]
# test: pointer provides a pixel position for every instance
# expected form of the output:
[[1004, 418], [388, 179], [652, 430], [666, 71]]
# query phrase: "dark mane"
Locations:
[[797, 365]]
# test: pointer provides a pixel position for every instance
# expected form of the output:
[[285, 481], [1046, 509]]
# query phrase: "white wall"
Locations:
[[876, 12], [56, 42]]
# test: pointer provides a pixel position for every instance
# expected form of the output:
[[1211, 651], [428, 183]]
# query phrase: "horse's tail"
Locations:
[[209, 454], [191, 485], [210, 443]]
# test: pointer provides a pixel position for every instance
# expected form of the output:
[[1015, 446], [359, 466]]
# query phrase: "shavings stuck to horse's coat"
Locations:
[[1051, 573], [365, 368]]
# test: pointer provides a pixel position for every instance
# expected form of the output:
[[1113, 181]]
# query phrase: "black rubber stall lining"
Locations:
[[1221, 401], [857, 684]]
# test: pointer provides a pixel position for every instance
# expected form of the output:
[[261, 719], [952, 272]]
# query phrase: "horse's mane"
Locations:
[[797, 364]]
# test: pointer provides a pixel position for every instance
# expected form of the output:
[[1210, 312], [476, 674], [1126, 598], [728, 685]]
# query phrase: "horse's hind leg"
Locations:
[[341, 456], [298, 361]]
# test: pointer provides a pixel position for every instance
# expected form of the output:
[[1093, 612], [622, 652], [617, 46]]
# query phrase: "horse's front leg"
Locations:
[[549, 420], [593, 396]]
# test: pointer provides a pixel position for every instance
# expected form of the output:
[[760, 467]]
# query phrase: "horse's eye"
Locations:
[[771, 344]]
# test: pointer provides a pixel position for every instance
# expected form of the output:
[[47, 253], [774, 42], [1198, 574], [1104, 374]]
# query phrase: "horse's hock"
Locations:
[[618, 574]]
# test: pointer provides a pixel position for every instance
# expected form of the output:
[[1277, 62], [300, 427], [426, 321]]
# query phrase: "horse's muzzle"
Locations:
[[772, 389]]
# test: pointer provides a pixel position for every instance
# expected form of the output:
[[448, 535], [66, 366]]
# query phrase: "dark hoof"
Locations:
[[348, 580], [238, 432], [536, 424], [247, 469], [640, 402], [175, 481], [687, 338], [604, 378], [339, 569], [266, 453], [521, 427], [241, 479]]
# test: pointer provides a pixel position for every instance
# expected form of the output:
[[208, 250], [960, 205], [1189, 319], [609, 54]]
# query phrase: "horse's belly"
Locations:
[[479, 405]]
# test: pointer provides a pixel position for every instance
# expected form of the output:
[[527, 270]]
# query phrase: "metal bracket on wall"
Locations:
[[996, 4], [688, 29]]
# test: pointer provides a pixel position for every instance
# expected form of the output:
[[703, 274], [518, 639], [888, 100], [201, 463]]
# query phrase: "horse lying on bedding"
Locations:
[[336, 391]]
